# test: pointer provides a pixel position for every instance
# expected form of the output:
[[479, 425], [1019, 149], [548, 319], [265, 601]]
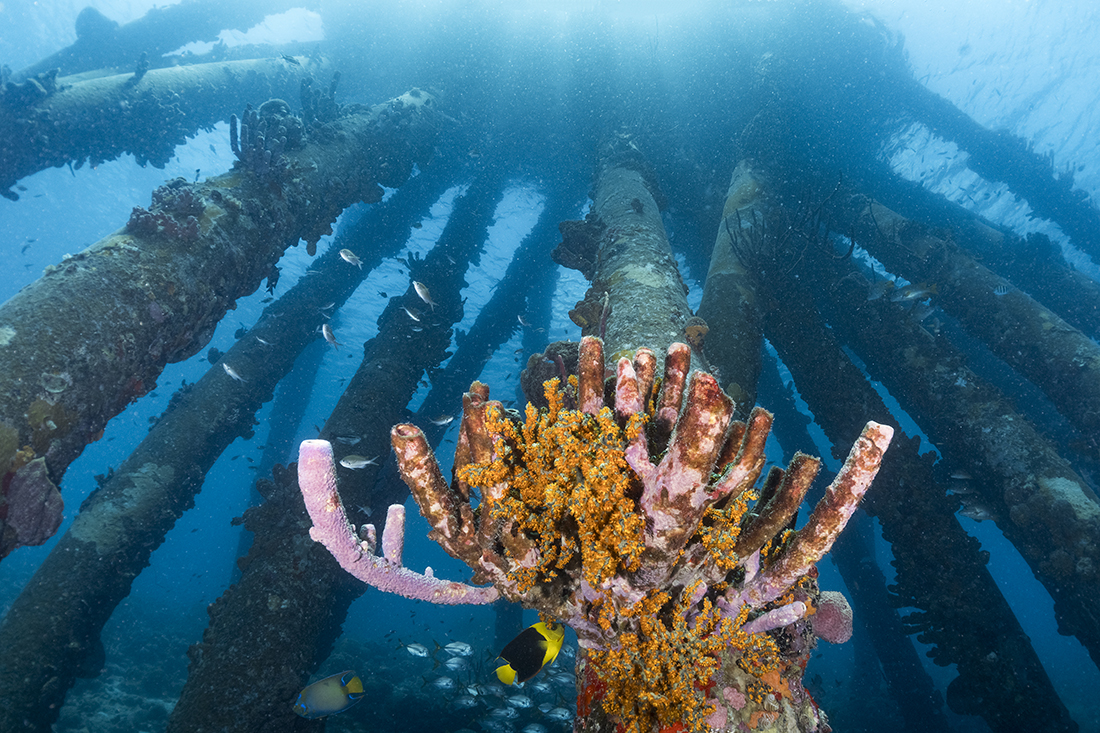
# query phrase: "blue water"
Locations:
[[1029, 68]]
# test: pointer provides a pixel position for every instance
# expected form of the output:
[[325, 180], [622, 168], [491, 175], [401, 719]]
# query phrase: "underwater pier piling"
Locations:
[[961, 609], [146, 113], [295, 634], [1000, 156], [731, 332], [622, 249], [1034, 263], [49, 631], [102, 43], [165, 280], [95, 332], [498, 319], [1063, 362], [1038, 501], [274, 624]]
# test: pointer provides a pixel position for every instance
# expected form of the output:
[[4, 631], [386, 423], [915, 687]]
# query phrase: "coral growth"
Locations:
[[631, 522], [264, 136], [174, 213]]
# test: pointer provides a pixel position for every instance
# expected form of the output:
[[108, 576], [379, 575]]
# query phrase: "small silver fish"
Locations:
[[348, 439], [444, 420], [441, 683], [960, 475], [425, 295], [1001, 289], [921, 311], [326, 331], [417, 650], [355, 463], [563, 678], [913, 292], [878, 289], [464, 701], [459, 648], [518, 701], [411, 314], [456, 664], [977, 512], [494, 724], [504, 713], [351, 258], [232, 372], [265, 343], [559, 714], [523, 322], [534, 728], [495, 689]]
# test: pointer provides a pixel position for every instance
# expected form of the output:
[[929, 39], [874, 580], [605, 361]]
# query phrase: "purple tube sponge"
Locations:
[[317, 480]]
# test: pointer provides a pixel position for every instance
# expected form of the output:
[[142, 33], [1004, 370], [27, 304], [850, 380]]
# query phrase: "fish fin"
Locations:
[[506, 674]]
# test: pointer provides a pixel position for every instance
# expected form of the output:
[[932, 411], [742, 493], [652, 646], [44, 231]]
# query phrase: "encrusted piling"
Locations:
[[219, 677], [93, 334], [1058, 358], [961, 611], [1033, 494], [146, 113], [732, 330], [637, 296], [55, 622]]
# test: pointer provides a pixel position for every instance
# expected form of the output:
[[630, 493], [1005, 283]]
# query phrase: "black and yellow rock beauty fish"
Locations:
[[533, 649], [331, 695]]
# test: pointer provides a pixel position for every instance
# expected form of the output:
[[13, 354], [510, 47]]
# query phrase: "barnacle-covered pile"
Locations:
[[634, 519]]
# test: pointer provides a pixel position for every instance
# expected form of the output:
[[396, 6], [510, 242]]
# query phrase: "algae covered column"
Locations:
[[288, 640], [637, 296], [144, 112], [729, 298], [93, 334]]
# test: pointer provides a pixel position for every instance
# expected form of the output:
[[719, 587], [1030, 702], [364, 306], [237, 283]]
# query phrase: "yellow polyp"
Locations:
[[774, 546], [757, 692], [635, 425], [757, 653], [657, 677], [570, 489], [722, 527]]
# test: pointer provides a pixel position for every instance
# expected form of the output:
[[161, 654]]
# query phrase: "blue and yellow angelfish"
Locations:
[[528, 653], [331, 695]]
